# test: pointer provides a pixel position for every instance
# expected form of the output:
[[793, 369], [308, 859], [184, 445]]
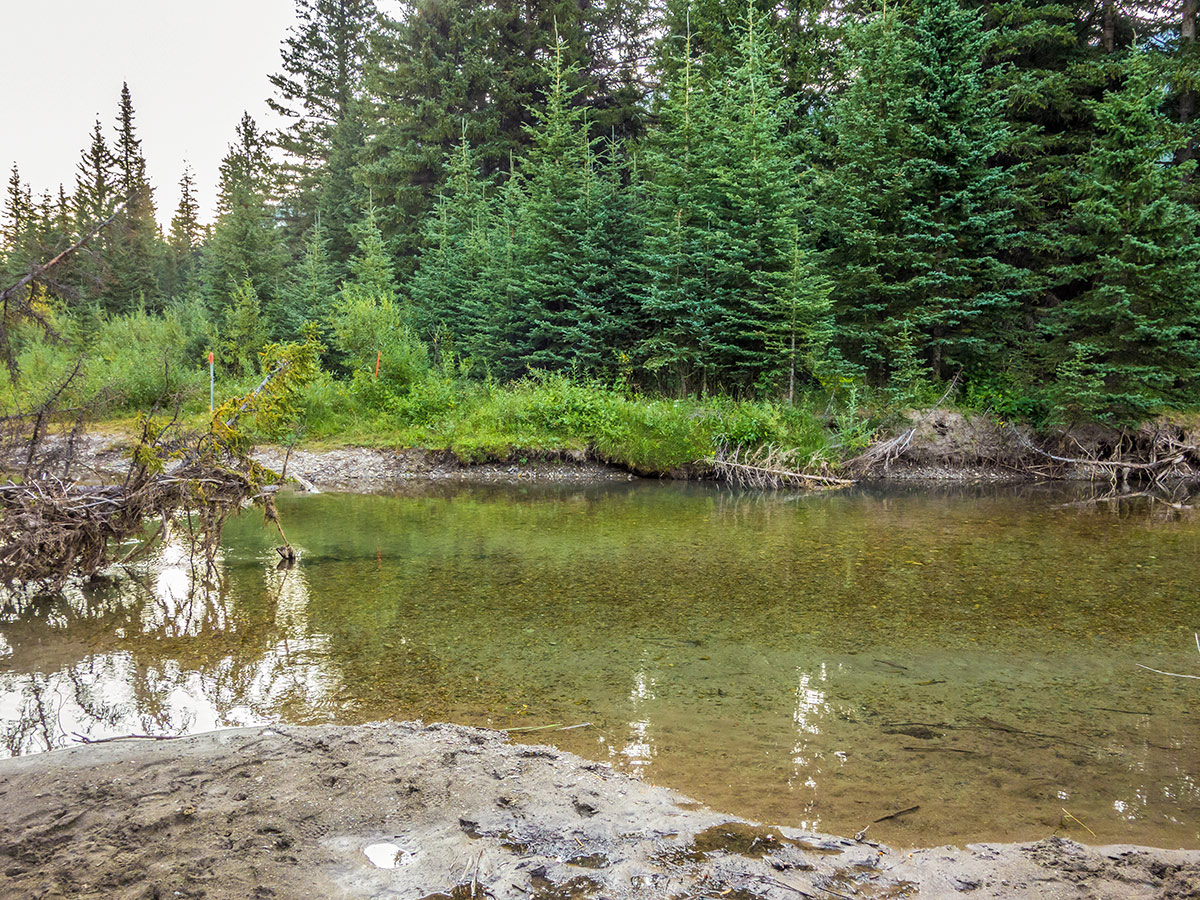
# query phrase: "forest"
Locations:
[[652, 226]]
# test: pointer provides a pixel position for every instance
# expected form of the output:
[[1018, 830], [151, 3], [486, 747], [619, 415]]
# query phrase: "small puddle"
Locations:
[[742, 838], [385, 856]]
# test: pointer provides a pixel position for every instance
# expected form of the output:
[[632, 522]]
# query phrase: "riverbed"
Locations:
[[934, 664]]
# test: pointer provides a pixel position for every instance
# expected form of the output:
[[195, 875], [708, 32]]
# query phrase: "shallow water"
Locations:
[[815, 660]]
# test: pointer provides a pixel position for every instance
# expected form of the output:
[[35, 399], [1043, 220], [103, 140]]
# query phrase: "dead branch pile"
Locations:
[[52, 528], [882, 454], [1156, 459], [769, 466]]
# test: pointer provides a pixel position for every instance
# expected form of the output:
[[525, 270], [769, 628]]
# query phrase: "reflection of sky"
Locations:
[[639, 748], [117, 693], [809, 708]]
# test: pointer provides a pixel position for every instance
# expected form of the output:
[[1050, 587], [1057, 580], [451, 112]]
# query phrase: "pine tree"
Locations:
[[134, 242], [919, 215], [320, 91], [1129, 337]]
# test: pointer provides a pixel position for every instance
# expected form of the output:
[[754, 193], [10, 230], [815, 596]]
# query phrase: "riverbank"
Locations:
[[409, 811], [934, 445]]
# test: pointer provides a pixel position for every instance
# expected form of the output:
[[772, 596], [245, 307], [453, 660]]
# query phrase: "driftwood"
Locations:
[[53, 528], [768, 467], [1120, 469]]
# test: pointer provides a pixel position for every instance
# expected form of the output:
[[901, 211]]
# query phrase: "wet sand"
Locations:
[[414, 812]]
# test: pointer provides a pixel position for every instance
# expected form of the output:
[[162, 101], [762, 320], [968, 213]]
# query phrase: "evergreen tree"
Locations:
[[560, 327], [432, 78], [244, 333], [1128, 339], [727, 208], [310, 298], [919, 214], [371, 329], [450, 291], [678, 296], [319, 90], [186, 238], [804, 328], [449, 62], [245, 241], [18, 212], [95, 188], [132, 250], [612, 275]]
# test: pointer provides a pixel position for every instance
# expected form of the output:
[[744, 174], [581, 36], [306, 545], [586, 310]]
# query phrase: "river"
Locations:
[[967, 657]]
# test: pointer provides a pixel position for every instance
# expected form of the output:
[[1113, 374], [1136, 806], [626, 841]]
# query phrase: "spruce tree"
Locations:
[[449, 291], [919, 214], [432, 79], [95, 187], [18, 212], [1128, 337], [677, 302], [727, 208], [612, 276], [246, 242], [310, 297], [371, 328], [134, 240], [319, 91], [560, 327], [186, 237]]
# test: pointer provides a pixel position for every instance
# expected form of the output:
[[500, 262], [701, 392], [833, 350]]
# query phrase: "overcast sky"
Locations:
[[192, 69]]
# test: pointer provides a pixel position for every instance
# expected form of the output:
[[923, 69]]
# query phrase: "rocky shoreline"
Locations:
[[414, 812]]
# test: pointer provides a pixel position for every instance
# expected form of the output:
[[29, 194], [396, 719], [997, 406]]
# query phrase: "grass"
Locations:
[[482, 422]]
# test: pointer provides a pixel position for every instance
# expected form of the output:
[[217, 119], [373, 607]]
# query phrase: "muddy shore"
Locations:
[[412, 812]]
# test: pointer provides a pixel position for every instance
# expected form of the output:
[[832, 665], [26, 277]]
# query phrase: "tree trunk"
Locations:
[[1110, 26], [1187, 97], [792, 374]]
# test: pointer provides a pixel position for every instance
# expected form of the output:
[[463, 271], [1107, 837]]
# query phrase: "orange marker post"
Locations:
[[378, 357]]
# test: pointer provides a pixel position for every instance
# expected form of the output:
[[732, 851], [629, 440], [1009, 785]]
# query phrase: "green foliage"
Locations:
[[919, 215], [244, 332], [1130, 331]]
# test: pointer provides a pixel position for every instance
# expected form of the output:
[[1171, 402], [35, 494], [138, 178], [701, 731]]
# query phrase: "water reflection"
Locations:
[[816, 660], [807, 759]]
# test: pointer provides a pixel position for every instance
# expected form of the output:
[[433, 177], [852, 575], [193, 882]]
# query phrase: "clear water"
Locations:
[[815, 660]]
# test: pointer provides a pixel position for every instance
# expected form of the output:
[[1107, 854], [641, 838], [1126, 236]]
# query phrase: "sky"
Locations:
[[192, 69]]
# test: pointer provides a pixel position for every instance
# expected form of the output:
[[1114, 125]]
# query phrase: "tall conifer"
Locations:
[[919, 213], [1130, 332]]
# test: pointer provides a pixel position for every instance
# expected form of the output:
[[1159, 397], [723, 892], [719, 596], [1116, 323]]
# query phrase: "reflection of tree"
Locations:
[[167, 650]]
